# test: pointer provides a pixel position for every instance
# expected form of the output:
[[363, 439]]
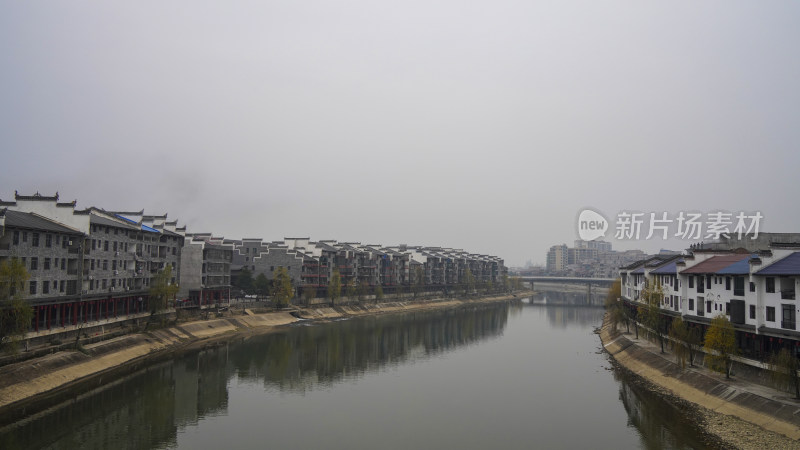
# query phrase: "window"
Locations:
[[708, 282], [63, 263], [105, 246], [105, 264], [708, 306], [24, 236], [752, 311], [771, 285], [691, 304], [35, 239], [16, 237], [34, 263], [105, 284], [738, 286], [728, 308], [48, 240], [115, 244], [727, 283], [752, 287], [92, 264], [32, 289], [691, 282], [45, 287], [63, 285], [770, 314], [787, 317], [114, 265], [47, 264]]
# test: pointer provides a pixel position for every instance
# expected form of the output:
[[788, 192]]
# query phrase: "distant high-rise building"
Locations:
[[557, 257]]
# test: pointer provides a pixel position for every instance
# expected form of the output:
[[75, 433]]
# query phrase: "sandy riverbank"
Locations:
[[33, 384], [731, 412]]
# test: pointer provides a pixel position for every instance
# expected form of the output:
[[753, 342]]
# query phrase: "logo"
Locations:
[[591, 225]]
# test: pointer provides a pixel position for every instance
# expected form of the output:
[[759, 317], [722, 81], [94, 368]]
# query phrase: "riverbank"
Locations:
[[734, 412], [34, 384]]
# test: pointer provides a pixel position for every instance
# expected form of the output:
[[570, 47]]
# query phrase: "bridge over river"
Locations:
[[588, 282]]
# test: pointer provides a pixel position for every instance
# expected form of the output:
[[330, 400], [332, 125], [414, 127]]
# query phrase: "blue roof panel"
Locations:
[[152, 230], [786, 266], [144, 227], [667, 269]]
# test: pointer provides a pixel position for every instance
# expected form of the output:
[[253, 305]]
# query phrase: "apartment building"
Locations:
[[755, 290]]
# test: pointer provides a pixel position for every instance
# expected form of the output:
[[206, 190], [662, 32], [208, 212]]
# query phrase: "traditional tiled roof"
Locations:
[[670, 268], [33, 221], [789, 265], [104, 221], [144, 227], [738, 268], [716, 263]]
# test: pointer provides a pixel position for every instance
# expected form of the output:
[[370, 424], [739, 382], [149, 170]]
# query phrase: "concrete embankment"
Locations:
[[737, 412], [36, 383]]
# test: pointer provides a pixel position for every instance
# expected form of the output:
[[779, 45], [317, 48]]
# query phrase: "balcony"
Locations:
[[787, 294], [788, 324]]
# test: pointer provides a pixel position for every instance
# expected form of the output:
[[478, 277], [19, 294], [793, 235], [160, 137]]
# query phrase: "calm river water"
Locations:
[[524, 374]]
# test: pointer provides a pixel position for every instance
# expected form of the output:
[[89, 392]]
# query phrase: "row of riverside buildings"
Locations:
[[90, 266], [755, 288]]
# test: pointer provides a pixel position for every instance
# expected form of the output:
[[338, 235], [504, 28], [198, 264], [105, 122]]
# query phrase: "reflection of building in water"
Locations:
[[650, 414], [571, 297], [303, 357], [565, 315], [148, 408], [141, 411], [201, 385]]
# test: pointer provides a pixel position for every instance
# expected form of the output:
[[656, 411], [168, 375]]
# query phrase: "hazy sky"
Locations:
[[480, 125]]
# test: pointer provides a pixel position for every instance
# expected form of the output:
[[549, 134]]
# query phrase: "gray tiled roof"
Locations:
[[33, 221], [94, 219]]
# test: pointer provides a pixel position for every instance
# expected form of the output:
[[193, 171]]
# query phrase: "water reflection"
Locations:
[[565, 308], [660, 424], [148, 408], [467, 399], [306, 356], [569, 295]]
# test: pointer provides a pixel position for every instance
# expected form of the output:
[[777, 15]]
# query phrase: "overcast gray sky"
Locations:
[[480, 125]]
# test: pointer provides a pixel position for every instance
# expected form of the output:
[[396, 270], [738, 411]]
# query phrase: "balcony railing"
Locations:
[[788, 324], [787, 295]]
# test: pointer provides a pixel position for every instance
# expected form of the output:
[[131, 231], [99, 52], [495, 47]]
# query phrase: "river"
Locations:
[[523, 374]]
